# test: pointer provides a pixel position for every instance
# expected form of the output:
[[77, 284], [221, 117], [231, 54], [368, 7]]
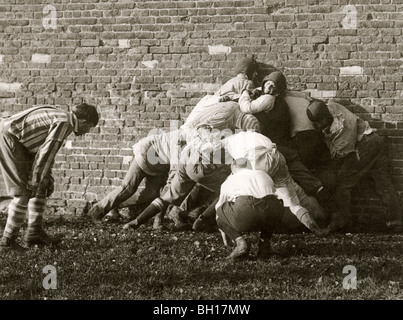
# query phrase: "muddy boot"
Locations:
[[195, 213], [337, 222], [112, 216], [176, 215], [241, 250], [96, 213], [157, 224], [10, 244], [326, 201], [40, 237], [135, 210], [152, 210], [205, 224], [265, 250]]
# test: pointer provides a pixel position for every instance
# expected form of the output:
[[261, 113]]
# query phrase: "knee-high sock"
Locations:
[[304, 217], [154, 208], [36, 208], [17, 210]]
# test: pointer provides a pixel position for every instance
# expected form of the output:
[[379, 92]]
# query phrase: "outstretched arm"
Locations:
[[305, 218]]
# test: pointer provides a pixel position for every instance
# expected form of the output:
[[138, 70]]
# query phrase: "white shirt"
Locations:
[[257, 148], [245, 182], [240, 144], [298, 102]]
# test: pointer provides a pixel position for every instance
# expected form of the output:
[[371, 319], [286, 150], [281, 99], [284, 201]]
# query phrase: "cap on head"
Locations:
[[317, 111], [247, 66], [278, 78]]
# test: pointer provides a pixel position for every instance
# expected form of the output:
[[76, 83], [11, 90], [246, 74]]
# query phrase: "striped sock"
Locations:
[[16, 216], [159, 203], [36, 208]]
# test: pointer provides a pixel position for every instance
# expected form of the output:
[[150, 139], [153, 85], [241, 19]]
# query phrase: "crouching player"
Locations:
[[248, 203]]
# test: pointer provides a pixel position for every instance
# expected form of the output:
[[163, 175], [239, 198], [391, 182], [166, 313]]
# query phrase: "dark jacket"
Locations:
[[276, 122]]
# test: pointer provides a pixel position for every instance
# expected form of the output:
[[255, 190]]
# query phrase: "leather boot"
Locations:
[[241, 250], [205, 224], [264, 250], [152, 210], [337, 222], [96, 213], [10, 244], [40, 237], [112, 216], [176, 215], [157, 224]]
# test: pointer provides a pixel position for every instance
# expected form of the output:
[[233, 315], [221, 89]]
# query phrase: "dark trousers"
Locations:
[[249, 214], [188, 175], [119, 197], [197, 201], [311, 148], [198, 197], [370, 160], [298, 171]]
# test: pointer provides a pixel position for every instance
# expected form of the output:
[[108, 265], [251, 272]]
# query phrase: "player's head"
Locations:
[[248, 66], [87, 116], [275, 83], [319, 114]]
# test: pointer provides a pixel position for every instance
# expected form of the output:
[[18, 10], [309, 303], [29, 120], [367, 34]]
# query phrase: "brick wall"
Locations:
[[144, 63]]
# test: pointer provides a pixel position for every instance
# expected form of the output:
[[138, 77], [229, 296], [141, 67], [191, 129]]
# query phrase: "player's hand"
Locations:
[[256, 93], [224, 99]]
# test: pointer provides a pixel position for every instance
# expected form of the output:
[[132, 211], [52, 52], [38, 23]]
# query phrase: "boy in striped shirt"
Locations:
[[29, 141]]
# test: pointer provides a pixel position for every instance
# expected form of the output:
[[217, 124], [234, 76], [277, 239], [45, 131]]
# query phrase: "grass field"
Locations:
[[103, 262]]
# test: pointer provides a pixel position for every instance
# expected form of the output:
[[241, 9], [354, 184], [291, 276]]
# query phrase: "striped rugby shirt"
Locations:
[[42, 131]]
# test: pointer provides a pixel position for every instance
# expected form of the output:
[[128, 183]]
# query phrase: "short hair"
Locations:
[[86, 112], [318, 110], [241, 163]]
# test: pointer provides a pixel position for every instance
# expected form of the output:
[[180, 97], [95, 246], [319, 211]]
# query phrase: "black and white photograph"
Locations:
[[199, 159]]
